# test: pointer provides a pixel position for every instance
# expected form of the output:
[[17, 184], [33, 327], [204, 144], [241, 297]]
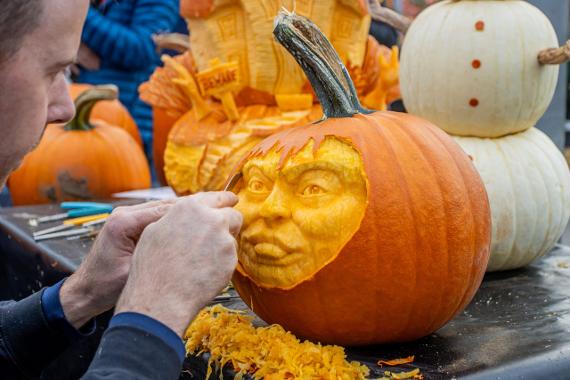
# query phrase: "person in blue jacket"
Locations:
[[157, 263], [117, 47]]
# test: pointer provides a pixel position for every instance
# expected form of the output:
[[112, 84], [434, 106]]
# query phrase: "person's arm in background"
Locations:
[[35, 330], [130, 46]]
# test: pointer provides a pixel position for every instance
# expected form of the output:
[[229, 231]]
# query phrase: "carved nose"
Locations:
[[275, 206]]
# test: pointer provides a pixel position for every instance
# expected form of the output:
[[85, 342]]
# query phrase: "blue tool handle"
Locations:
[[89, 211], [78, 205]]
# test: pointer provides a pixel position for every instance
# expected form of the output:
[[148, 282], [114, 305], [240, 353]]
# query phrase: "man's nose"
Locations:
[[61, 108]]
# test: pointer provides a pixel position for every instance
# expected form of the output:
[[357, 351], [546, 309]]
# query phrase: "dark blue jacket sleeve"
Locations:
[[130, 46], [137, 347], [28, 341]]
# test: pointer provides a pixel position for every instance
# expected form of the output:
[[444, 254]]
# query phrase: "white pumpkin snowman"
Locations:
[[485, 71]]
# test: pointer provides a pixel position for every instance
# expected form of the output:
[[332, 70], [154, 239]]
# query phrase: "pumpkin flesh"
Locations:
[[320, 200]]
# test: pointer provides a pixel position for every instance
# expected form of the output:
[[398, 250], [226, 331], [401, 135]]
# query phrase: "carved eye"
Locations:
[[257, 186], [312, 190]]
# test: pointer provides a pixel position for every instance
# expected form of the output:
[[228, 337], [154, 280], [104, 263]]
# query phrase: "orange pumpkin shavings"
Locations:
[[394, 362], [264, 352], [413, 374]]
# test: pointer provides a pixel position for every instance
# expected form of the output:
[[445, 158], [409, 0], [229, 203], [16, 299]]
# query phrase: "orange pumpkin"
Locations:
[[168, 103], [162, 124], [81, 160], [111, 111], [366, 227]]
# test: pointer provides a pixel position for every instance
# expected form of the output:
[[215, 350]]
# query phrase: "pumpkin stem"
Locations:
[[84, 105], [320, 62], [555, 56]]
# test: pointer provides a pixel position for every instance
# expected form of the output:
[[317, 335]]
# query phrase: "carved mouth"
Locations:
[[269, 251]]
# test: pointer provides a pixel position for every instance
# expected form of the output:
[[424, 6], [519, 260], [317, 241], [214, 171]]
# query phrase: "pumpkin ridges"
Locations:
[[512, 222], [540, 169], [544, 144], [537, 205], [474, 190], [444, 241], [388, 136], [443, 201], [461, 302], [447, 199]]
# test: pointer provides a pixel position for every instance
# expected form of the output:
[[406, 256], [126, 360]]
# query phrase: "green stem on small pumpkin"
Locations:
[[320, 62], [84, 105]]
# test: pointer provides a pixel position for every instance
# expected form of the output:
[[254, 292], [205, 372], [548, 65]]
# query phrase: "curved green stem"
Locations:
[[320, 62], [84, 105]]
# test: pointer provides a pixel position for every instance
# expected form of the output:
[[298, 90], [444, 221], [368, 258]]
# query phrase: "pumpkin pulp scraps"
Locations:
[[394, 362], [268, 352]]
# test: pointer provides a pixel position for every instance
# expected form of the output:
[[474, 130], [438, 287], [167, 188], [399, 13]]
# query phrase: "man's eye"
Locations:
[[313, 189], [256, 186]]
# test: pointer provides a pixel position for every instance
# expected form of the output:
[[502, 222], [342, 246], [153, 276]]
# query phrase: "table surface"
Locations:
[[518, 325]]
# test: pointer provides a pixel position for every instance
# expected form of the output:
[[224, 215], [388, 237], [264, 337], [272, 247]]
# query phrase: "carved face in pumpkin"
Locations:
[[300, 213]]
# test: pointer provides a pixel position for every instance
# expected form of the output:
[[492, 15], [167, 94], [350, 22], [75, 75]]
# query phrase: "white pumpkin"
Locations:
[[528, 184], [470, 66]]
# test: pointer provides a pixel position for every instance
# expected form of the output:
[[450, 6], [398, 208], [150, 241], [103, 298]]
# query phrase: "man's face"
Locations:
[[32, 82], [298, 218]]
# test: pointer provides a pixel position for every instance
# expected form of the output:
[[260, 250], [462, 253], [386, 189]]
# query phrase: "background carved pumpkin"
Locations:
[[112, 112], [407, 211], [483, 77], [528, 183], [81, 160], [268, 91], [201, 153]]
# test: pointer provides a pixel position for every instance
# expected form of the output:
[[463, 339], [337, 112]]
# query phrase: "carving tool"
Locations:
[[85, 221], [78, 209], [233, 181]]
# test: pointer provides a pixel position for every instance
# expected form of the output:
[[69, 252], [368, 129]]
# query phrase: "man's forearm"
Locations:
[[78, 302], [27, 341], [137, 346]]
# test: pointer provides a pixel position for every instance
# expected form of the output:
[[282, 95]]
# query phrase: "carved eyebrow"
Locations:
[[292, 172], [251, 166]]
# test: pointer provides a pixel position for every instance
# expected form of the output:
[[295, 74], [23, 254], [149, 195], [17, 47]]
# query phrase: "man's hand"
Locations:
[[98, 282], [184, 260]]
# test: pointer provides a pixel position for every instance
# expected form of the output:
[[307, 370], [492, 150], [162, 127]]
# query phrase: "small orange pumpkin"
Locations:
[[110, 111], [366, 227], [81, 160]]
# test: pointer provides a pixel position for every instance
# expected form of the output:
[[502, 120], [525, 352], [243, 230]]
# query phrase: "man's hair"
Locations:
[[17, 19]]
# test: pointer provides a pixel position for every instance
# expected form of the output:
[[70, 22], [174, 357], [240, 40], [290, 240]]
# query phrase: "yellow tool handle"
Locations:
[[85, 219]]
